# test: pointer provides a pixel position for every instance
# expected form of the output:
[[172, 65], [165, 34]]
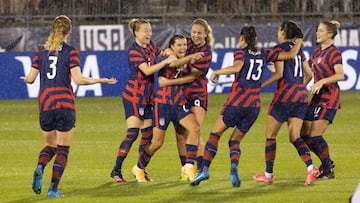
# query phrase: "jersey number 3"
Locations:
[[51, 75]]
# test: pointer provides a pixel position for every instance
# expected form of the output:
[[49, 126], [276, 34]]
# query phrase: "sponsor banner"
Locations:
[[118, 37], [102, 37], [93, 64], [115, 64]]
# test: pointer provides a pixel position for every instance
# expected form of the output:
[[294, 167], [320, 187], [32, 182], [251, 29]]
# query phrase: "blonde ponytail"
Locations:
[[332, 27], [61, 27], [336, 23]]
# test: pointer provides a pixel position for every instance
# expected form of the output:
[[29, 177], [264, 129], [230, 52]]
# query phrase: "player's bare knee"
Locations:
[[194, 128]]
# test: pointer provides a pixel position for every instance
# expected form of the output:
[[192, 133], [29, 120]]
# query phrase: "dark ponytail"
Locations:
[[249, 34], [291, 30]]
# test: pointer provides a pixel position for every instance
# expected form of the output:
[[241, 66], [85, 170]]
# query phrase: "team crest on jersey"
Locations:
[[317, 111], [141, 111], [162, 121]]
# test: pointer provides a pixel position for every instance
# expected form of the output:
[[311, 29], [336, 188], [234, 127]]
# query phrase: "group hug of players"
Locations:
[[181, 98]]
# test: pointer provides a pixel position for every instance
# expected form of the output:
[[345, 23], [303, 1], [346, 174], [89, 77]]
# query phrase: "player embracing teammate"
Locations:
[[243, 104]]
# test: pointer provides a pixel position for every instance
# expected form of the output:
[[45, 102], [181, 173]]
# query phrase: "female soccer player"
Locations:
[[289, 104], [243, 104], [138, 94], [326, 63], [170, 106], [195, 85], [58, 63]]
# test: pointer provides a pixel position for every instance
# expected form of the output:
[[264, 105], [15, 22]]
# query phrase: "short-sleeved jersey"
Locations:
[[172, 95], [322, 64], [198, 88], [55, 78], [139, 87], [291, 88], [245, 90]]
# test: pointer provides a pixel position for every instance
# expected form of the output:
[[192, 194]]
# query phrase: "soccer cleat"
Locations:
[[183, 176], [235, 179], [37, 181], [203, 175], [321, 168], [139, 174], [189, 171], [147, 177], [327, 174], [117, 176], [52, 193], [262, 178], [311, 176]]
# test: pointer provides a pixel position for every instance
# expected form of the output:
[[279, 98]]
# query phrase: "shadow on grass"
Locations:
[[169, 192]]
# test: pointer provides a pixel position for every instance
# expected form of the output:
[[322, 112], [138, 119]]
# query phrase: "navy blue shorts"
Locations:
[[164, 113], [179, 129], [320, 113], [58, 119], [282, 111], [141, 111], [196, 102], [241, 117]]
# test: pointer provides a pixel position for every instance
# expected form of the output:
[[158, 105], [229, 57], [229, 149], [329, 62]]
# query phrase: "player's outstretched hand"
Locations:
[[25, 79], [109, 81]]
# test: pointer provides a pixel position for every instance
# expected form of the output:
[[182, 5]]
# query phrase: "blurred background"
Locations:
[[37, 12], [100, 25]]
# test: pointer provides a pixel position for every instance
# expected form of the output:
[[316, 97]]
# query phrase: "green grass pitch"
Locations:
[[100, 127]]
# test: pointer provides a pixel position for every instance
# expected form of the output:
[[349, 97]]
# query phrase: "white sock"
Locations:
[[268, 175], [309, 168], [189, 165]]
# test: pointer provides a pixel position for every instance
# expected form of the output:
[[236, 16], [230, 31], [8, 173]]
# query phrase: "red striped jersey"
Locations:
[[172, 94], [139, 87], [245, 90], [291, 88], [198, 88], [55, 77], [322, 64]]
